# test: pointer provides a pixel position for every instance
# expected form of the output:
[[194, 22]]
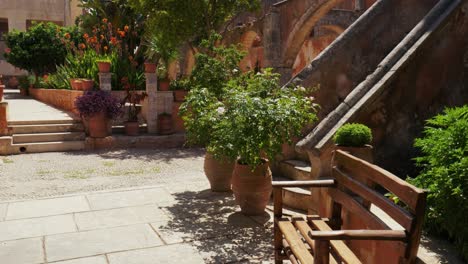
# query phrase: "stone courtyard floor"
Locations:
[[131, 207]]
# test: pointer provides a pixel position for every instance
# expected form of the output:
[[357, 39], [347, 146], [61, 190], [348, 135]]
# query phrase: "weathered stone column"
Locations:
[[105, 81], [272, 39], [152, 113]]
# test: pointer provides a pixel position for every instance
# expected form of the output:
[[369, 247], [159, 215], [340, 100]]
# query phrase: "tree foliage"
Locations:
[[444, 163]]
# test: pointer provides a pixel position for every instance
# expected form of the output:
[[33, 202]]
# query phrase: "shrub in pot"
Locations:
[[258, 116], [180, 88], [132, 101], [98, 107], [355, 139], [201, 111]]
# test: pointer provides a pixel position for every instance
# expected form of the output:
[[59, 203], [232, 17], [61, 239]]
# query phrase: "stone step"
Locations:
[[44, 122], [295, 170], [60, 146], [47, 128], [48, 137], [296, 198]]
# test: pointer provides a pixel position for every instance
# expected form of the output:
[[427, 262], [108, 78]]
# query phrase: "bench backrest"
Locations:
[[357, 181]]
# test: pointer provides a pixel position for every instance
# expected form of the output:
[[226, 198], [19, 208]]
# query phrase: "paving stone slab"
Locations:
[[34, 227], [120, 217], [180, 254], [24, 251], [3, 211], [47, 207], [111, 200], [96, 242], [91, 260], [220, 250]]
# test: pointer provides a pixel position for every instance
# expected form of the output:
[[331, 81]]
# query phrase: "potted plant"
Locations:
[[165, 124], [180, 87], [86, 84], [355, 139], [202, 110], [104, 65], [132, 101], [98, 107], [258, 117], [163, 79]]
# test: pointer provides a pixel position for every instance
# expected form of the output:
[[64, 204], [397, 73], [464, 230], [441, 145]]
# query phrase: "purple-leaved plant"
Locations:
[[94, 102]]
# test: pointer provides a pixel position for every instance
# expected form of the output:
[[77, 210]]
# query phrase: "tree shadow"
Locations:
[[214, 225], [440, 249], [150, 155]]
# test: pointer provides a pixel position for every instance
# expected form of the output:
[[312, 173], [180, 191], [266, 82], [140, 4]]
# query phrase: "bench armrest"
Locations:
[[392, 235], [314, 183]]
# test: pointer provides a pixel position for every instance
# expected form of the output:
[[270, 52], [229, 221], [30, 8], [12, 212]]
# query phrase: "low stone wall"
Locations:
[[61, 99]]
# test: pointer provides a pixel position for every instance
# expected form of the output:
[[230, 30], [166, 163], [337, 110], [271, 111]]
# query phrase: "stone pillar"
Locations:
[[272, 39], [4, 131], [152, 113], [105, 81]]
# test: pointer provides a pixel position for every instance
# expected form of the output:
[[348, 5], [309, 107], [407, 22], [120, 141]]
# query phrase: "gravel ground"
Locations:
[[32, 176]]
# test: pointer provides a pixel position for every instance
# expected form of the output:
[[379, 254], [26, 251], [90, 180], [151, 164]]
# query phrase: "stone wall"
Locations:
[[436, 78]]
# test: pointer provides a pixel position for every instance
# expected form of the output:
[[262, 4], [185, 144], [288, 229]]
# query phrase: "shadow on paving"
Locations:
[[221, 234], [145, 154], [442, 249]]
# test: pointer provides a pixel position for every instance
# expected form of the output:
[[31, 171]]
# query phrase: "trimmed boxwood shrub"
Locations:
[[353, 135], [444, 164]]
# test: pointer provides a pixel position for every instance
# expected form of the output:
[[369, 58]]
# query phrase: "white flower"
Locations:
[[235, 71], [220, 110], [302, 89]]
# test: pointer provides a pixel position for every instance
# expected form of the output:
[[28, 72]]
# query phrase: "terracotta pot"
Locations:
[[165, 124], [76, 84], [218, 172], [2, 87], [252, 189], [13, 82], [364, 152], [164, 85], [132, 128], [104, 67], [177, 120], [179, 95], [98, 126], [87, 84], [150, 67]]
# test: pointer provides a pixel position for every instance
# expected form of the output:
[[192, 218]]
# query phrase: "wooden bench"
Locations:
[[334, 238]]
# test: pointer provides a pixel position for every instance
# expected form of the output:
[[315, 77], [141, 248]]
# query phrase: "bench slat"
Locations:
[[398, 214], [295, 242], [351, 205], [341, 249], [362, 169]]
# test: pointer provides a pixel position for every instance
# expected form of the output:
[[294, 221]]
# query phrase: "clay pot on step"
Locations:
[[179, 95], [364, 152], [252, 189], [165, 124], [104, 66], [150, 67], [218, 172], [163, 85], [98, 126], [87, 84], [132, 128]]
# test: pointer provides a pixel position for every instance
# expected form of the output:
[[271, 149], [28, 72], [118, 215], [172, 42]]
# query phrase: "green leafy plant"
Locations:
[[257, 116], [24, 81], [180, 84], [444, 164], [37, 50], [353, 135]]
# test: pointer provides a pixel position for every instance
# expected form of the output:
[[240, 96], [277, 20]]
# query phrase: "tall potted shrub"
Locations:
[[98, 107], [258, 117], [355, 139], [202, 109]]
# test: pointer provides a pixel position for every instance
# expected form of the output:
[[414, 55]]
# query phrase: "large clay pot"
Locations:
[[252, 189], [150, 67], [132, 128], [218, 172], [165, 124], [87, 84], [98, 126], [364, 153], [104, 67], [164, 85], [179, 95]]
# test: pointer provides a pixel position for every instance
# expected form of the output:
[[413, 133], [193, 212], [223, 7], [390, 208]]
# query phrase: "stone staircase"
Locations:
[[46, 136]]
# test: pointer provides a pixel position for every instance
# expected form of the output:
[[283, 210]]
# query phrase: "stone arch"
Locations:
[[252, 43], [303, 28]]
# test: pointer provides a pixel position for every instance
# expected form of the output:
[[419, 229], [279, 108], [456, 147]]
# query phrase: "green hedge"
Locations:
[[444, 164], [353, 135]]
